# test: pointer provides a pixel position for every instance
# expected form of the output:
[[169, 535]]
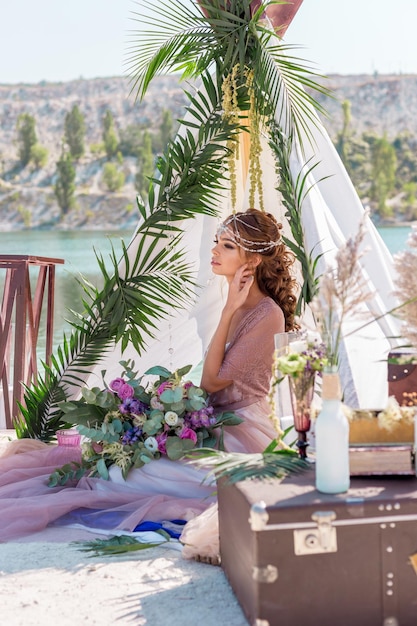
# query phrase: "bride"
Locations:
[[261, 301]]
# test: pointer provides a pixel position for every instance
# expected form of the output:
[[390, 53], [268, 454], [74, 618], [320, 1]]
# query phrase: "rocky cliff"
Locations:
[[385, 104]]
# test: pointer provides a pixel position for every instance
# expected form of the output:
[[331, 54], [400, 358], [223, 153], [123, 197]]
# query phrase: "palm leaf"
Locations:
[[114, 546], [236, 467]]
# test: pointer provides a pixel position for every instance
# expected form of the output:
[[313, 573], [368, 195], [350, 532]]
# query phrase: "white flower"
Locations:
[[391, 415], [171, 418], [151, 444], [156, 404]]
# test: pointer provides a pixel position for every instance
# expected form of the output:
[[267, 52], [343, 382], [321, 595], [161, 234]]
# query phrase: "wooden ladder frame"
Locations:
[[20, 319]]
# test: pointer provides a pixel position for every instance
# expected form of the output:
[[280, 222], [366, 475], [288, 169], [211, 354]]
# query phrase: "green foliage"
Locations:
[[293, 194], [145, 165], [165, 134], [26, 137], [384, 163], [405, 146], [39, 156], [201, 36], [26, 215], [379, 168], [409, 203], [236, 467], [74, 132], [65, 182], [69, 473], [131, 140], [110, 139], [113, 178], [114, 546], [97, 148], [343, 136]]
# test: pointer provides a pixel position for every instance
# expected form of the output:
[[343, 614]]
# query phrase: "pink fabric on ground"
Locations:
[[161, 490]]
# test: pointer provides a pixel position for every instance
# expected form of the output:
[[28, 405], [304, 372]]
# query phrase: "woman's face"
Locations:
[[227, 256]]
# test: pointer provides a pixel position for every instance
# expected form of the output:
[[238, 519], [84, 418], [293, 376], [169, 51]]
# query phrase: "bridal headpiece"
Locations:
[[230, 225]]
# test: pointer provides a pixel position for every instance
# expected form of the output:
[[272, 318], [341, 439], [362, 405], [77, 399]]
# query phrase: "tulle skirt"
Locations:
[[161, 490]]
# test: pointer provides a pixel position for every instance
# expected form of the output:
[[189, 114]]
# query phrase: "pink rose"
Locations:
[[97, 447], [165, 385], [188, 433], [125, 392], [161, 439], [116, 384]]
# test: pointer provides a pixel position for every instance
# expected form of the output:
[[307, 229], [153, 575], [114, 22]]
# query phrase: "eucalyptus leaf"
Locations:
[[170, 396], [152, 426], [102, 469], [176, 447], [158, 370], [183, 371]]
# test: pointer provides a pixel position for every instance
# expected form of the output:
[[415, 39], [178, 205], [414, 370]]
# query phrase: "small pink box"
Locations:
[[68, 437]]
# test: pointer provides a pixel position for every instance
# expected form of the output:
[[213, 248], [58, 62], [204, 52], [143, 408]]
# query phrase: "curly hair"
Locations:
[[259, 232]]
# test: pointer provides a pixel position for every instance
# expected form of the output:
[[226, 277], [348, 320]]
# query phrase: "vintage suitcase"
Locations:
[[402, 377], [296, 557]]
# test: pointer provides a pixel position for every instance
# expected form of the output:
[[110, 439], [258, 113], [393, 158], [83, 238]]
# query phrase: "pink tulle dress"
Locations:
[[161, 490]]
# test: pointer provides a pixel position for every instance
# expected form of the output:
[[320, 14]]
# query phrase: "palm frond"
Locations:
[[115, 546], [236, 467], [289, 83], [219, 37], [293, 194]]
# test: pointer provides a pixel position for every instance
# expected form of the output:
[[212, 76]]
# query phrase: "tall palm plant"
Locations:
[[141, 290]]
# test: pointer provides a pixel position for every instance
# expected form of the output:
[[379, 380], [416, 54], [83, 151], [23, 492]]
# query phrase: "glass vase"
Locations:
[[301, 394]]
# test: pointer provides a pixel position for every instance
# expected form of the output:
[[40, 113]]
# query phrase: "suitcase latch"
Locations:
[[317, 540], [258, 518]]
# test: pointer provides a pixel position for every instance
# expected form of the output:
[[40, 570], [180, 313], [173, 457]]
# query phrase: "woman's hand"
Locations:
[[238, 293], [239, 287]]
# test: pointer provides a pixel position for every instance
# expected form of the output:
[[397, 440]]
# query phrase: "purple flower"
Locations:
[[131, 436], [202, 418], [116, 384], [125, 391], [132, 405]]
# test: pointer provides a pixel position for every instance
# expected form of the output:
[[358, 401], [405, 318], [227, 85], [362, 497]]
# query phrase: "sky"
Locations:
[[58, 40]]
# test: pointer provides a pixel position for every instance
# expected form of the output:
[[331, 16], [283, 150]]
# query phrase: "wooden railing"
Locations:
[[20, 321]]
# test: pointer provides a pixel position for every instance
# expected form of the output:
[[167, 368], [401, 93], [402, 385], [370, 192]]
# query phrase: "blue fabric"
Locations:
[[108, 520], [173, 527]]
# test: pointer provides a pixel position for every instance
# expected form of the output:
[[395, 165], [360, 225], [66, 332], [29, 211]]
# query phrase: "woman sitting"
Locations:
[[261, 302]]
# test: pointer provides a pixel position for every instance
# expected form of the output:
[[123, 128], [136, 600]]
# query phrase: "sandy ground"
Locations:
[[45, 582]]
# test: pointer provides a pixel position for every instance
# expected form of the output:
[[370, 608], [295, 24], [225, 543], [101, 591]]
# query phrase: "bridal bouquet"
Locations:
[[130, 422]]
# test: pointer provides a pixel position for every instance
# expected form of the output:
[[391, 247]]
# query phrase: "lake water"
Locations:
[[395, 238], [77, 250]]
